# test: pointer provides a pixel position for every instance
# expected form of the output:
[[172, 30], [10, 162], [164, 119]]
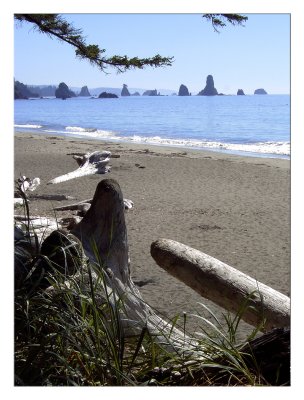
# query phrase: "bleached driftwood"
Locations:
[[43, 226], [82, 207], [25, 218], [56, 197], [89, 164], [128, 204], [28, 183], [70, 222], [82, 154], [73, 206], [79, 206], [222, 284], [103, 234], [18, 200], [39, 226]]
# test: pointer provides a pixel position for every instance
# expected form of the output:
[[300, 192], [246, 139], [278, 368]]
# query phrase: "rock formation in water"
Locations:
[[183, 91], [125, 91], [63, 92], [135, 94], [21, 91], [150, 93], [240, 92], [105, 95], [209, 89], [84, 92], [260, 91]]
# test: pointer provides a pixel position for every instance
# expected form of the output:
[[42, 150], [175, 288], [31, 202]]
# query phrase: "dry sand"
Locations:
[[234, 208]]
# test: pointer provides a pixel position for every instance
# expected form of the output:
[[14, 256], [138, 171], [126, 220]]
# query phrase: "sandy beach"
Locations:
[[234, 208]]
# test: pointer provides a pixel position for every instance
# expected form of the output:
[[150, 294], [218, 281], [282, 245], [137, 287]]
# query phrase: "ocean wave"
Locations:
[[268, 148], [277, 148], [28, 126], [91, 132], [79, 129]]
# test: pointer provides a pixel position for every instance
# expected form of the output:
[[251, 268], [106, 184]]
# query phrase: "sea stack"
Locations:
[[260, 91], [105, 95], [209, 89], [63, 92], [240, 92], [150, 93], [84, 92], [125, 91], [183, 91]]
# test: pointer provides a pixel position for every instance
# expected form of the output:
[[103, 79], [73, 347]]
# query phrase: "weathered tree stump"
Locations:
[[103, 234]]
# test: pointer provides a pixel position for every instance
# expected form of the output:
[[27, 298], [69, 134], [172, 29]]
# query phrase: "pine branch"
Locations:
[[55, 25], [218, 20]]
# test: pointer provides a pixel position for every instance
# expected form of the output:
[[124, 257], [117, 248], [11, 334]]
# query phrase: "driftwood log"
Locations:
[[73, 206], [82, 154], [18, 200], [84, 205], [223, 284], [38, 226], [56, 197], [89, 164], [44, 226]]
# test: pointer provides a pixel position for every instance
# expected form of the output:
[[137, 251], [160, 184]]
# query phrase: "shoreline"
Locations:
[[160, 148], [221, 148], [234, 208]]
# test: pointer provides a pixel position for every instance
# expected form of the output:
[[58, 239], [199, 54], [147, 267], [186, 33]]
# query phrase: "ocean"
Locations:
[[251, 125]]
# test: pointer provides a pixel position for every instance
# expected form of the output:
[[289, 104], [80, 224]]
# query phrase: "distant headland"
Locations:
[[62, 91]]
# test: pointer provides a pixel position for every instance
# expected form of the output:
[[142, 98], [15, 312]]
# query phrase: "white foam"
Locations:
[[79, 129], [93, 133], [277, 148], [274, 148], [28, 126]]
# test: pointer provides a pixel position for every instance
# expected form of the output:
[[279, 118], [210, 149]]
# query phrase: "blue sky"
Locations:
[[250, 57]]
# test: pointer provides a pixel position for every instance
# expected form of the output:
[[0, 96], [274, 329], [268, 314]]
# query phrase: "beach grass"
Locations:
[[69, 339]]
